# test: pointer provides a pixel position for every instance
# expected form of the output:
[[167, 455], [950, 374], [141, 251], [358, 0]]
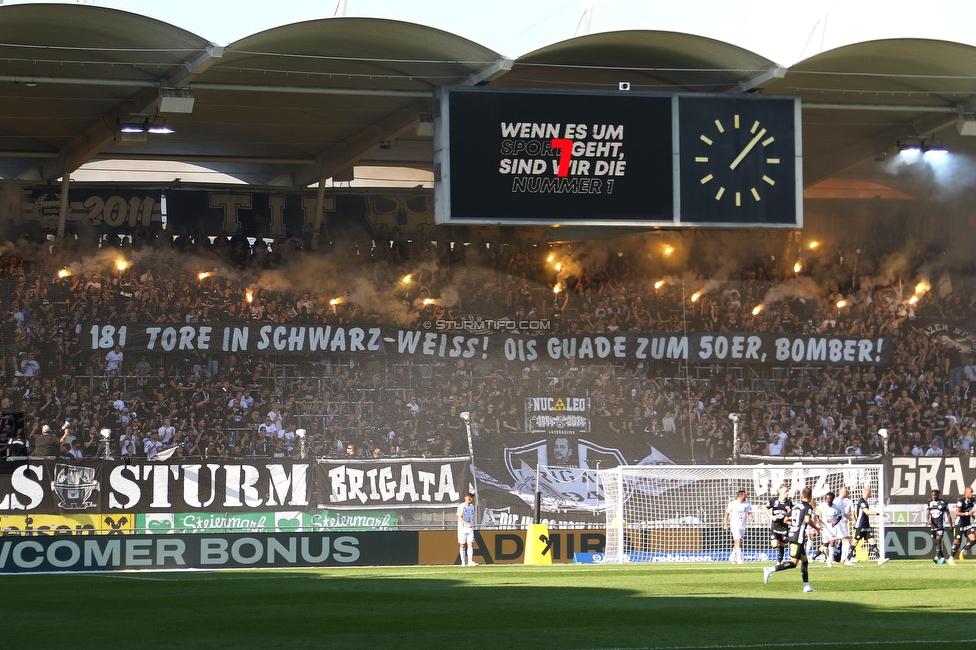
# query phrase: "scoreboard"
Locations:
[[530, 157]]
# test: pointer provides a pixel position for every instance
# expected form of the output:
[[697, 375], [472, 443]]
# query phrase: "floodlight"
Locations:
[[175, 100]]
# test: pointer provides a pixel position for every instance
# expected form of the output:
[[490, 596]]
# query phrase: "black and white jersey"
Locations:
[[964, 505], [938, 513], [860, 516], [778, 511], [799, 526]]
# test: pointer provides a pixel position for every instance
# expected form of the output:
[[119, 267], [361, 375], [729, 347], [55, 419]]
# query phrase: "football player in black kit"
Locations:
[[862, 526], [777, 511], [801, 523], [964, 525], [937, 516]]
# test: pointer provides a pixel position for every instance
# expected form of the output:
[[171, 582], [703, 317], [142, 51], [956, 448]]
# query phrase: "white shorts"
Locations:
[[826, 534], [466, 536], [831, 533], [840, 530], [737, 533]]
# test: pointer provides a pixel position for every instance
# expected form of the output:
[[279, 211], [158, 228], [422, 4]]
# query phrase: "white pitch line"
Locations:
[[184, 576], [803, 644], [121, 576]]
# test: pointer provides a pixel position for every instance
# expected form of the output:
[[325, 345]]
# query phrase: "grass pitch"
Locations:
[[527, 607]]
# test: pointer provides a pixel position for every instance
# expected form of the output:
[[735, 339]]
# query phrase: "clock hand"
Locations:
[[752, 143]]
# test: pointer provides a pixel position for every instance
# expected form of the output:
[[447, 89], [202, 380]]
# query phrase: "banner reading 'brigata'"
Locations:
[[323, 340]]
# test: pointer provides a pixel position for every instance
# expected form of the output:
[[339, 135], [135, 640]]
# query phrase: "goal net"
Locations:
[[675, 513]]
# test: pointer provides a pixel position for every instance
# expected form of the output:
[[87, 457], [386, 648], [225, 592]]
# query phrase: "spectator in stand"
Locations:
[[113, 360], [44, 444], [777, 442], [129, 443], [152, 446], [29, 367]]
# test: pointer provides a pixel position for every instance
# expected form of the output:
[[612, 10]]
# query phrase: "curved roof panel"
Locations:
[[649, 60], [362, 53], [895, 71], [298, 92], [861, 100]]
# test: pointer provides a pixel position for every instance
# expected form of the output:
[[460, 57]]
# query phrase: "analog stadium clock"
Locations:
[[738, 161]]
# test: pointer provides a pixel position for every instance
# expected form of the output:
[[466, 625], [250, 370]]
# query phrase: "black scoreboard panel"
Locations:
[[526, 157], [738, 160]]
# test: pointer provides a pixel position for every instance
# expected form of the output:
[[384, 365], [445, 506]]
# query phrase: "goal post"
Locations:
[[675, 513]]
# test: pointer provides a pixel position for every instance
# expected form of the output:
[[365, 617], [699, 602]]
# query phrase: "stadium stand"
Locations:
[[217, 403]]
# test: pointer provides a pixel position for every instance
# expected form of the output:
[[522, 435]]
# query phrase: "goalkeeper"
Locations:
[[465, 519]]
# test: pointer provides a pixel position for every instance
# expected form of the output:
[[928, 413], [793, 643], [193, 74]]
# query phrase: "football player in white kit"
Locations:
[[737, 514], [465, 517], [845, 506], [829, 517]]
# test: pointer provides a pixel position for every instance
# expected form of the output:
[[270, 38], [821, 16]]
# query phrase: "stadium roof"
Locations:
[[305, 101]]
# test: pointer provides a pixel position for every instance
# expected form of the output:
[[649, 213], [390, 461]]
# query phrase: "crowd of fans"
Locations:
[[246, 406]]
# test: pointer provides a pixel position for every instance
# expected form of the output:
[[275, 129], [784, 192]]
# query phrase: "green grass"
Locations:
[[525, 607]]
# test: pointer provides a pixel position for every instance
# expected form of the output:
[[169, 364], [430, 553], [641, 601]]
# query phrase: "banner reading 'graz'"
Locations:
[[323, 340], [912, 479]]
